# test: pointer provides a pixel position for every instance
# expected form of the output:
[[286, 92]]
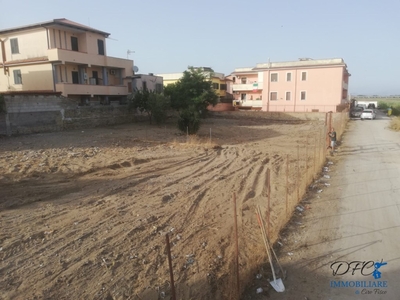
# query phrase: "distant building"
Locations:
[[64, 57], [150, 82], [218, 80], [298, 86]]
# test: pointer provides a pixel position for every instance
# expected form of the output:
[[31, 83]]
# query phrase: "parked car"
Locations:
[[371, 106], [368, 114], [356, 112]]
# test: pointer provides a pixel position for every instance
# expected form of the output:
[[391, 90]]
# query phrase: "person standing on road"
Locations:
[[332, 136]]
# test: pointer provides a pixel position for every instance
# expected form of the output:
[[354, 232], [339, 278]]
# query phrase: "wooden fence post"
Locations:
[[236, 247]]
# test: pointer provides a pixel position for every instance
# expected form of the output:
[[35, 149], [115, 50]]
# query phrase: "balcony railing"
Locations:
[[69, 56], [247, 86], [88, 89]]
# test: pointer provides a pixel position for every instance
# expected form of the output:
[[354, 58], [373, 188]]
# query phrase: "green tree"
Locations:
[[154, 104], [191, 95]]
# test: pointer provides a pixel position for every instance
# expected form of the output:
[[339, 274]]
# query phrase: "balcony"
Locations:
[[345, 86], [88, 89], [247, 86], [69, 56]]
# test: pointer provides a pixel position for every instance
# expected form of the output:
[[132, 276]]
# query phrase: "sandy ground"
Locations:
[[84, 213]]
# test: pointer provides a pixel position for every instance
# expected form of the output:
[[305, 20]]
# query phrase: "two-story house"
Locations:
[[298, 86], [64, 57]]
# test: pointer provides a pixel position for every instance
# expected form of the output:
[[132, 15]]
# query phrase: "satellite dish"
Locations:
[[135, 69]]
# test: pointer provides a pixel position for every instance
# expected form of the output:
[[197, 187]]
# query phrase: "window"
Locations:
[[74, 43], [159, 87], [303, 96], [223, 87], [288, 95], [14, 46], [273, 96], [100, 46], [144, 85], [17, 77], [288, 77], [303, 76], [274, 77], [243, 96], [244, 80], [215, 86]]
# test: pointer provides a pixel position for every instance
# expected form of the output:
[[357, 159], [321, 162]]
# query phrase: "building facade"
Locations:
[[299, 86], [149, 82], [218, 80], [64, 57]]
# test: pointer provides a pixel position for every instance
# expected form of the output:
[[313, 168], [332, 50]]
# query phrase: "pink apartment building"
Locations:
[[298, 86]]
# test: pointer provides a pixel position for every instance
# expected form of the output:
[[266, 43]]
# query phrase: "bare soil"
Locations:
[[84, 214]]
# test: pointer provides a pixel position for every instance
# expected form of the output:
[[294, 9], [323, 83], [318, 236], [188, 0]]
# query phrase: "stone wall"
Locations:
[[44, 113]]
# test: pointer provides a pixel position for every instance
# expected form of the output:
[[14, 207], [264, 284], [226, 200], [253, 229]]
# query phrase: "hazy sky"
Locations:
[[169, 35]]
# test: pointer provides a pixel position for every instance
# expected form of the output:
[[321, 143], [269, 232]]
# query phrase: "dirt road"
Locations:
[[355, 218]]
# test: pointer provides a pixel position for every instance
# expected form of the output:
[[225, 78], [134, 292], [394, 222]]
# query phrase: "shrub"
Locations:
[[189, 121], [383, 105], [395, 124]]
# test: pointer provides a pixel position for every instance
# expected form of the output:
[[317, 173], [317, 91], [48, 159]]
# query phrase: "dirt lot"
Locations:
[[84, 213]]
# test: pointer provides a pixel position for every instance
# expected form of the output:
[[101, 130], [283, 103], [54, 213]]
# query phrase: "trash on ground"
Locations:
[[327, 176], [190, 261], [259, 276], [327, 184], [319, 191], [299, 208], [259, 290], [290, 253]]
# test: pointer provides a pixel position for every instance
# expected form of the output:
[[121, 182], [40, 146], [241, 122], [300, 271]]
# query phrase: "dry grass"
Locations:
[[196, 141], [395, 124]]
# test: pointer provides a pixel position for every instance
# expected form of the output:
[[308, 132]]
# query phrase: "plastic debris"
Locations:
[[330, 162], [319, 191], [300, 208], [259, 290], [326, 169], [327, 176], [290, 253], [190, 261], [327, 184], [258, 276]]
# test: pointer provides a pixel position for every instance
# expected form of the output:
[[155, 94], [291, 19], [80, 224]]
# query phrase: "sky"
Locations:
[[167, 36]]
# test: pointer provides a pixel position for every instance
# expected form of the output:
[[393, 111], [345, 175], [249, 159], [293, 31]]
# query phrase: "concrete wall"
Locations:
[[282, 116], [43, 113]]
